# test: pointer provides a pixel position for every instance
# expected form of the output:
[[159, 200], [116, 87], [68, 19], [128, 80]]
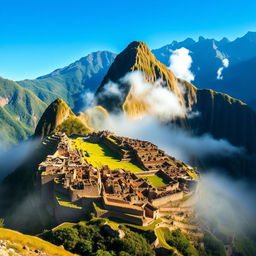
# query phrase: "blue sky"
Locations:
[[38, 36]]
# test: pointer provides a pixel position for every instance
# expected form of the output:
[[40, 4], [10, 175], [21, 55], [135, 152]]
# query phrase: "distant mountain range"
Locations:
[[22, 104], [207, 56]]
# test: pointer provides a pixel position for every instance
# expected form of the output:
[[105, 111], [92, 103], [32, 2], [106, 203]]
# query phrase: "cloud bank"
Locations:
[[180, 64], [12, 157], [170, 138]]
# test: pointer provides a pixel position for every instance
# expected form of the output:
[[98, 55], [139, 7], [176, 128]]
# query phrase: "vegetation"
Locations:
[[59, 117], [213, 246], [156, 180], [1, 223], [92, 239], [99, 154], [73, 125], [72, 81], [20, 111], [19, 241], [180, 242], [63, 200]]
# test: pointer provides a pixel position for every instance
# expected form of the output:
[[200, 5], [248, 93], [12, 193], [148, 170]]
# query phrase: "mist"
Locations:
[[226, 206], [13, 156]]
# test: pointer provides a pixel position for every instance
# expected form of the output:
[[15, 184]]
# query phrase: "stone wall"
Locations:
[[121, 207], [88, 191], [48, 178], [165, 199]]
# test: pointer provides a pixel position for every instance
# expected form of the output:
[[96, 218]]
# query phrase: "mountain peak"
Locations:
[[59, 116], [135, 57]]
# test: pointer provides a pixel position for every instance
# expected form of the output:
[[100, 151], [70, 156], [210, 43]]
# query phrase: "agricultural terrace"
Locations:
[[99, 155], [156, 180]]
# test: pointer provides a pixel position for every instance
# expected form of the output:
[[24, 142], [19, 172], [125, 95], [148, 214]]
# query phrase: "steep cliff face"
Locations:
[[137, 57], [59, 116], [225, 117]]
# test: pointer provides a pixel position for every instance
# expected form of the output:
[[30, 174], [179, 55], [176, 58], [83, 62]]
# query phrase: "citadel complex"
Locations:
[[75, 187]]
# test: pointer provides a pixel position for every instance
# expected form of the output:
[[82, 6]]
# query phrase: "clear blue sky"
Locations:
[[38, 36]]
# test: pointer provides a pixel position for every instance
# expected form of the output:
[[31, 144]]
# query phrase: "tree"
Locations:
[[213, 246], [83, 247], [180, 242], [103, 253], [1, 223], [68, 237]]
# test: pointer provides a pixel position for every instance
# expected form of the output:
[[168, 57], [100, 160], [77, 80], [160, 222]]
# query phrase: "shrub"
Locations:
[[68, 237]]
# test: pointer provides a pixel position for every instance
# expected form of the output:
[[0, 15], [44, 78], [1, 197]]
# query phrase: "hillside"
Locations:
[[137, 56], [15, 243], [72, 81], [59, 116], [20, 111]]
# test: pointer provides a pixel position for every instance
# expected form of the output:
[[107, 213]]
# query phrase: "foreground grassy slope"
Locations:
[[19, 240]]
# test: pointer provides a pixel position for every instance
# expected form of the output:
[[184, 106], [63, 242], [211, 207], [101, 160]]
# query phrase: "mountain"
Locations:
[[207, 56], [220, 115], [71, 82], [20, 111], [22, 103], [137, 56], [59, 116]]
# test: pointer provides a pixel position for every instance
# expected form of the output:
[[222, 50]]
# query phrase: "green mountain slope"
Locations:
[[72, 81], [59, 116], [20, 111]]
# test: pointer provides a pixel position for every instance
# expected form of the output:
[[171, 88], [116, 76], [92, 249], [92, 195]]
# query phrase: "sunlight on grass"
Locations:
[[63, 200], [99, 155], [156, 180], [32, 242]]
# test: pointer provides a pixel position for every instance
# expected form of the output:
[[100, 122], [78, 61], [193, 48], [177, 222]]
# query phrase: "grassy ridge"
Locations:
[[19, 240]]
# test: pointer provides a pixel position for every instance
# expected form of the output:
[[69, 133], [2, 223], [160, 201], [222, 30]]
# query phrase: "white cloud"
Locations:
[[225, 63], [180, 64], [170, 138], [158, 99], [111, 89]]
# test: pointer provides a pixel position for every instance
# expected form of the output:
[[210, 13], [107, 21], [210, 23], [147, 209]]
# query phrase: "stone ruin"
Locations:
[[125, 194]]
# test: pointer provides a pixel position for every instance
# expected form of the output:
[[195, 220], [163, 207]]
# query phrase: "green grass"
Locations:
[[64, 225], [101, 155], [63, 200], [156, 180], [98, 206], [192, 175], [161, 234], [18, 240]]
